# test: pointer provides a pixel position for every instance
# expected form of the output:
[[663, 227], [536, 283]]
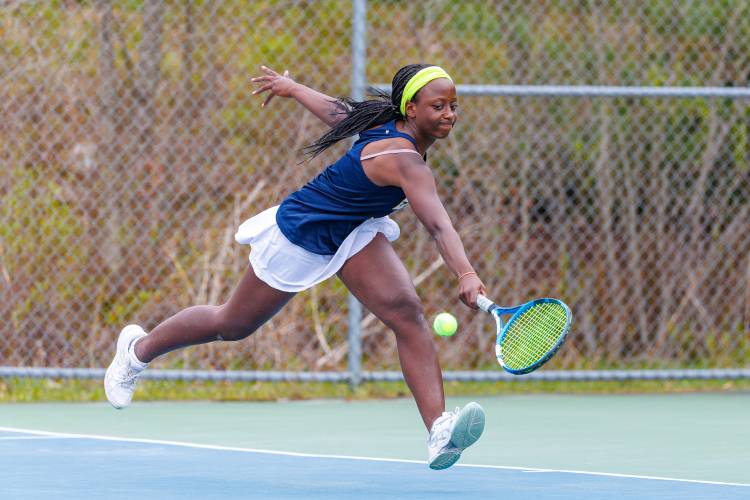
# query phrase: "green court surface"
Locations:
[[700, 437]]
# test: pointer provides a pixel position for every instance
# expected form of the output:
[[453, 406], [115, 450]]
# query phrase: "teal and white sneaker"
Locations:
[[452, 433], [120, 378]]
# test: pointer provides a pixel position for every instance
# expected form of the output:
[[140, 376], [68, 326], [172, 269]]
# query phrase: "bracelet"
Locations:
[[466, 274]]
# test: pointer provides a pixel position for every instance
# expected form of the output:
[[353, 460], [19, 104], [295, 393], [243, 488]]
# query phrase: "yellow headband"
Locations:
[[419, 80]]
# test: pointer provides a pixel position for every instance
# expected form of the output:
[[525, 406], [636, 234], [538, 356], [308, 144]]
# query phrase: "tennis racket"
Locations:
[[532, 335]]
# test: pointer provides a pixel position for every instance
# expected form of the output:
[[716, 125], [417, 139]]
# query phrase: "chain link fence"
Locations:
[[131, 149]]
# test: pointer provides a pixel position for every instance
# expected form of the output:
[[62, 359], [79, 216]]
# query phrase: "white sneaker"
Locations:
[[451, 433], [120, 378]]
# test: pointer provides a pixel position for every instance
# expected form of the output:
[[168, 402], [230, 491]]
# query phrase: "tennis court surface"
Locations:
[[578, 447]]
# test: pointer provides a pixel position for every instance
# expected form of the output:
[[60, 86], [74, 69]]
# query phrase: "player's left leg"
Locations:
[[251, 304]]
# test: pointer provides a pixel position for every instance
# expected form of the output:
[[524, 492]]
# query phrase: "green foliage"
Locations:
[[124, 307], [36, 216], [40, 227]]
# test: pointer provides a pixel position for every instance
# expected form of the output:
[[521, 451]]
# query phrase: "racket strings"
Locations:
[[532, 334]]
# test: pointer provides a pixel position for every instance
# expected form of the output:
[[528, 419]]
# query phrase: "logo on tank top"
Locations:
[[400, 206]]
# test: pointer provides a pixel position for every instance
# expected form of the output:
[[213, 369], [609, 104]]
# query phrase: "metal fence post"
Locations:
[[359, 57]]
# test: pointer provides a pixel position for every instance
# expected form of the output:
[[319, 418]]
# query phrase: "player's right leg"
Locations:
[[378, 278], [252, 303]]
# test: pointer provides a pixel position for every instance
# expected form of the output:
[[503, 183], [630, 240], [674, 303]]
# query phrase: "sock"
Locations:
[[133, 358]]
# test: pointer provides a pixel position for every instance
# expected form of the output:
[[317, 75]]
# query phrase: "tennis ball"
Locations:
[[445, 324]]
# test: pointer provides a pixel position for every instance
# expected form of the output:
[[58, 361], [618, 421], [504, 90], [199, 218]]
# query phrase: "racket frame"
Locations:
[[496, 311]]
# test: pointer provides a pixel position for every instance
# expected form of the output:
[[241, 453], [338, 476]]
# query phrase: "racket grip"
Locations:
[[484, 303]]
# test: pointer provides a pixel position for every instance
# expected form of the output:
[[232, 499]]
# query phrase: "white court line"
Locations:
[[20, 438], [347, 457]]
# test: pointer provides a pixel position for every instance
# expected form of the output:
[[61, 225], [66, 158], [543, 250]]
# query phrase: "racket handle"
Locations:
[[485, 304]]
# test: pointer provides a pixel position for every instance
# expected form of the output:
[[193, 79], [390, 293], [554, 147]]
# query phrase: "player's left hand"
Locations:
[[278, 85]]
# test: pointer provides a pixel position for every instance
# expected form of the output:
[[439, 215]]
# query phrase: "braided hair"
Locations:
[[363, 115]]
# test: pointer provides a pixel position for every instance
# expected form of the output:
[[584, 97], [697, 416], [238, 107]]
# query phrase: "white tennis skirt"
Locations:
[[290, 268]]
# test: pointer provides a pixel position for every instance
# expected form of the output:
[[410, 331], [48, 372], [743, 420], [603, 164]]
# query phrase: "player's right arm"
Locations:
[[329, 110], [415, 178], [418, 183]]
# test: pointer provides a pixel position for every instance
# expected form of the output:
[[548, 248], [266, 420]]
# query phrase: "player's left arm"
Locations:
[[329, 110], [418, 183]]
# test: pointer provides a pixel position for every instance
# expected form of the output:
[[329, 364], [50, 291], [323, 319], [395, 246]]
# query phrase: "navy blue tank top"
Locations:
[[319, 216]]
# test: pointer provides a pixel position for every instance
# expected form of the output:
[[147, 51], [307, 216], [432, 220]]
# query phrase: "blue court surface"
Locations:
[[37, 464]]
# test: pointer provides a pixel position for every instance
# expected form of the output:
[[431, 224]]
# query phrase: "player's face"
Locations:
[[435, 108]]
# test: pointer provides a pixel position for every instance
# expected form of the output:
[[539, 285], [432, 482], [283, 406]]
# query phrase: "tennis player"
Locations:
[[338, 224]]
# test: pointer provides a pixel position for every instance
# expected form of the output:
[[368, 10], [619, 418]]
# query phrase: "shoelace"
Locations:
[[128, 379], [443, 431]]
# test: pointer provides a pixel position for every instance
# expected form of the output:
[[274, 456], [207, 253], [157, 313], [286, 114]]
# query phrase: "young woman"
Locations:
[[338, 224]]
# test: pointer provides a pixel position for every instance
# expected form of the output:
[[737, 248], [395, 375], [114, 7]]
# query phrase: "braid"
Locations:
[[363, 115]]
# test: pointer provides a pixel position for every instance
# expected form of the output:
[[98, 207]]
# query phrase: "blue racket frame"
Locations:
[[496, 311]]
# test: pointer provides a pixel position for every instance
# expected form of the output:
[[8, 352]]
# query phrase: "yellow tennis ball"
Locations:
[[445, 324]]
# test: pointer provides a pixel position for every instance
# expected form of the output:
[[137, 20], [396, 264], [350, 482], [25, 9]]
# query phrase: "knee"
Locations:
[[232, 327], [404, 309]]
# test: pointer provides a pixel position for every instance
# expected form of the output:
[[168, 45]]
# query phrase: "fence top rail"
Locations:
[[594, 91]]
